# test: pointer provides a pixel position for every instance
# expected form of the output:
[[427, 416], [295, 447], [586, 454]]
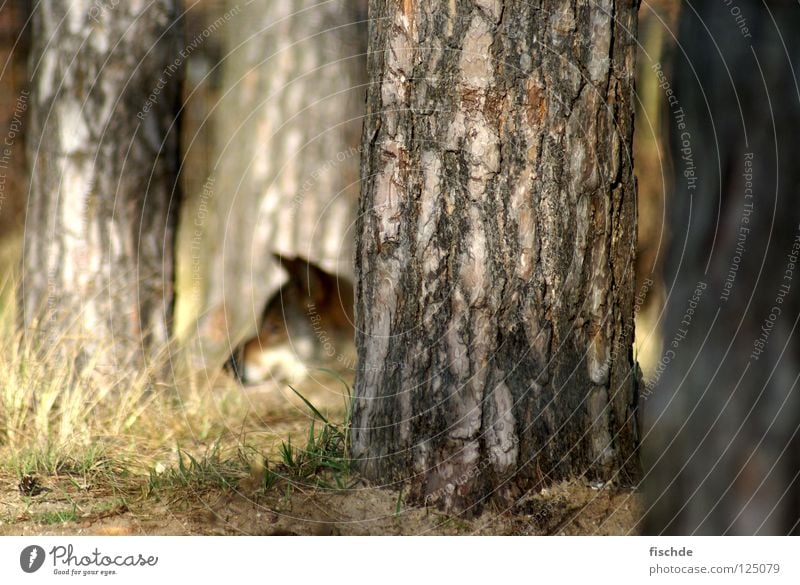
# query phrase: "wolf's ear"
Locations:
[[311, 280], [294, 266], [282, 260]]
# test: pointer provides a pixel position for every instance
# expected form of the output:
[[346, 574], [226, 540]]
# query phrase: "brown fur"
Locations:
[[307, 322]]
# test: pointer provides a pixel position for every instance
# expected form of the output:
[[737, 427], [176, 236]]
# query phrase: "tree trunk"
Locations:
[[14, 106], [285, 178], [14, 101], [495, 251], [722, 441], [98, 250]]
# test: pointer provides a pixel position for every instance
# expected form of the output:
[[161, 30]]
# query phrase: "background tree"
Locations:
[[14, 106], [495, 248], [98, 259], [285, 174], [723, 447]]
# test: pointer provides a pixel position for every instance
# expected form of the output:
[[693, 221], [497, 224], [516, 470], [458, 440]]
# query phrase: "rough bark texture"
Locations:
[[285, 178], [495, 251], [722, 440], [98, 258]]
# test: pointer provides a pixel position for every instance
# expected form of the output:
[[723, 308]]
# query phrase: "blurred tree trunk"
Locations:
[[14, 105], [202, 88], [722, 441], [14, 101], [98, 250], [285, 179], [495, 251]]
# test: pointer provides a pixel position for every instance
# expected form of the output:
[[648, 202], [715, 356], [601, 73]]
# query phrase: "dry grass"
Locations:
[[77, 447], [46, 403], [56, 420]]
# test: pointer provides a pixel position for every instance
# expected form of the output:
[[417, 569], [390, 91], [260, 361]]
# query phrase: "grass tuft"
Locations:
[[324, 461], [210, 470], [55, 516]]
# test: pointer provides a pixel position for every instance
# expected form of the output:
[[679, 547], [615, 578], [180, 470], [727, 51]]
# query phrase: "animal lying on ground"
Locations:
[[307, 323]]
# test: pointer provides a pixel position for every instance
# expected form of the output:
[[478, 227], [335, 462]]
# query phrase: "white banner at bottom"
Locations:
[[388, 560]]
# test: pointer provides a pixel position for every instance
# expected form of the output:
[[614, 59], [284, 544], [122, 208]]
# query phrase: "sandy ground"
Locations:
[[570, 509]]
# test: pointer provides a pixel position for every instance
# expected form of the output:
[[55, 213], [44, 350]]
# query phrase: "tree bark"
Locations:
[[285, 177], [495, 250], [102, 150], [722, 443]]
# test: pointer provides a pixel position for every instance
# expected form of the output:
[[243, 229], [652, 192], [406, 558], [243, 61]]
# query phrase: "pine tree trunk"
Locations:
[[495, 251], [14, 102], [285, 178], [98, 250], [14, 106], [722, 442]]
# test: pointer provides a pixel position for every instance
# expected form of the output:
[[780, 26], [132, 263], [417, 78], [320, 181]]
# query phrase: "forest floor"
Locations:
[[250, 466]]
